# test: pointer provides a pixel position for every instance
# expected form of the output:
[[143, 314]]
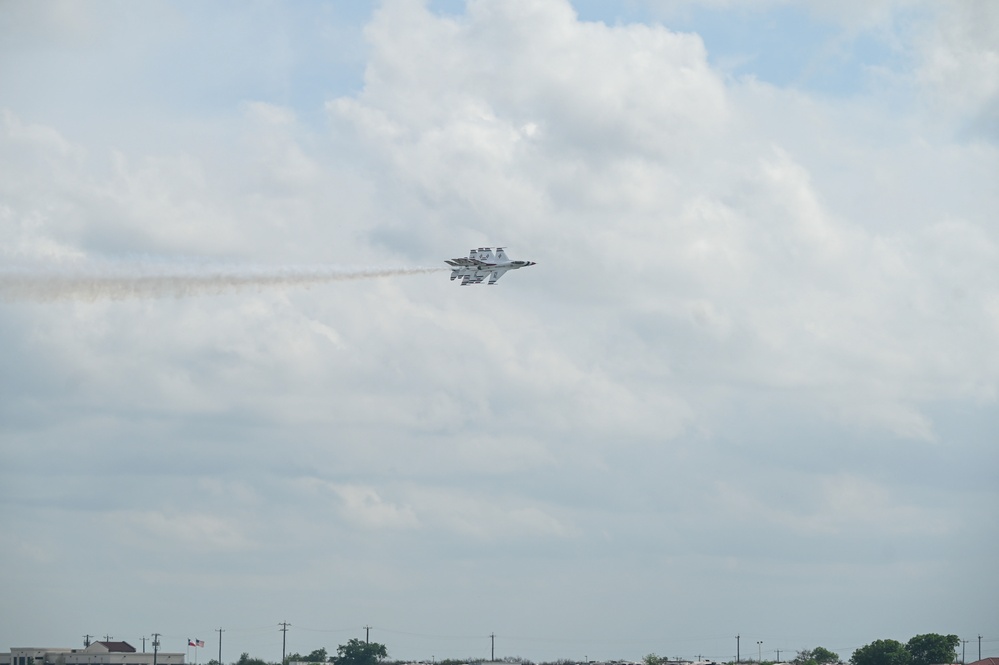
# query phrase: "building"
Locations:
[[97, 653]]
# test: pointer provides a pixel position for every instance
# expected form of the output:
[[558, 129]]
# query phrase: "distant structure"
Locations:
[[96, 653]]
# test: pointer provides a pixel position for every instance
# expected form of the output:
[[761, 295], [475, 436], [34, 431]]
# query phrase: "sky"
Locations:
[[749, 389]]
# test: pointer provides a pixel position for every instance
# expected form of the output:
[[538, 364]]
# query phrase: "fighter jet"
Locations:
[[482, 263]]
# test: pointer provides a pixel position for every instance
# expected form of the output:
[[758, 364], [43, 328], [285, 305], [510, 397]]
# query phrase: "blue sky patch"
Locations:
[[786, 46]]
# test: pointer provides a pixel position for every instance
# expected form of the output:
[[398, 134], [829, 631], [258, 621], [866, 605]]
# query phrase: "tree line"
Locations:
[[928, 649], [354, 652]]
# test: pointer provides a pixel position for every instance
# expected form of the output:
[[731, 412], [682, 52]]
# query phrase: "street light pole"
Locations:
[[759, 655]]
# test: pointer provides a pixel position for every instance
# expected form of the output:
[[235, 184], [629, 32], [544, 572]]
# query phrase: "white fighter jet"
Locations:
[[482, 263]]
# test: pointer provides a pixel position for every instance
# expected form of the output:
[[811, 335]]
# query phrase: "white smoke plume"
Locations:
[[120, 282]]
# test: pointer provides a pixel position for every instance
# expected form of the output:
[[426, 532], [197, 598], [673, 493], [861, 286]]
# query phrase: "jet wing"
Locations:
[[496, 274], [473, 277], [465, 263]]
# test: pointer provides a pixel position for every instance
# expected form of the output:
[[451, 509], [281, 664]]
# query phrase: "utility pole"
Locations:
[[143, 644], [367, 634], [963, 642], [737, 658], [86, 641], [759, 646], [979, 647], [156, 646], [284, 634], [220, 631], [492, 648], [778, 655], [108, 638]]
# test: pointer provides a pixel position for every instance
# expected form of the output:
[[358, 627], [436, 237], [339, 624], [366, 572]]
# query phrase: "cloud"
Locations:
[[197, 531], [959, 64], [364, 507], [759, 334], [842, 506], [490, 519]]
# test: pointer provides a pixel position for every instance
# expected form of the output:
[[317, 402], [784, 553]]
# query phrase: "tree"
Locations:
[[824, 656], [244, 659], [816, 656], [881, 652], [931, 648], [653, 659], [356, 652], [317, 656]]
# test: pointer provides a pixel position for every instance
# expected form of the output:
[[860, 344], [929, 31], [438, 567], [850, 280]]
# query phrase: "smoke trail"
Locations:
[[116, 282]]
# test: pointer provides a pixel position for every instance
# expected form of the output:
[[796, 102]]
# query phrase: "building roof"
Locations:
[[986, 661], [117, 647]]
